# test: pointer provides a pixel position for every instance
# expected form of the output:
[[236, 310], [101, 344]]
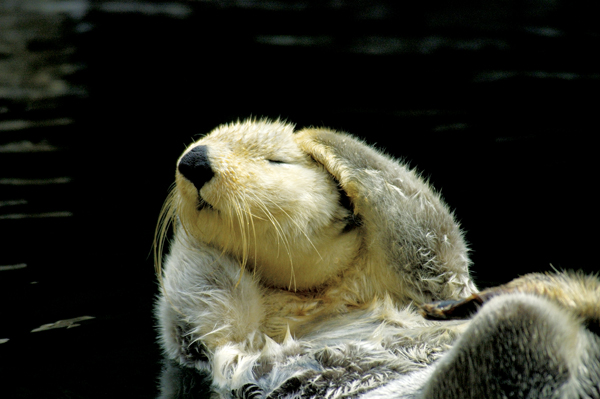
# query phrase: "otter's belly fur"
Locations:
[[299, 261]]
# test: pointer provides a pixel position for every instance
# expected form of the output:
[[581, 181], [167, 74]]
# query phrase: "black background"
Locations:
[[495, 102]]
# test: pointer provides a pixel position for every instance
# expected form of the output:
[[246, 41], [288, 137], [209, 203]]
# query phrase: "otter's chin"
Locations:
[[202, 204]]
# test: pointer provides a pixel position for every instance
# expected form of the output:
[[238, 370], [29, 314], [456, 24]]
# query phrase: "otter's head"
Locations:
[[248, 189]]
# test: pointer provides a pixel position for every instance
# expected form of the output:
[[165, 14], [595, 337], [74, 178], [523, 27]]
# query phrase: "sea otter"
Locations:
[[300, 262]]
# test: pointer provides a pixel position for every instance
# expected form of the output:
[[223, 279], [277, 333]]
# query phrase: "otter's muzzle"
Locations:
[[195, 166]]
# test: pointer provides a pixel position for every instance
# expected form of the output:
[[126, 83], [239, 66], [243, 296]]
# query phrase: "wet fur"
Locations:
[[297, 269]]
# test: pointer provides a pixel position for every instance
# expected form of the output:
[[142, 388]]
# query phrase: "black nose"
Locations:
[[195, 166]]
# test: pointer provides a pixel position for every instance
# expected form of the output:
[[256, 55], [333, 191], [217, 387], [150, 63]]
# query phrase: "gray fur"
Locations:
[[520, 346]]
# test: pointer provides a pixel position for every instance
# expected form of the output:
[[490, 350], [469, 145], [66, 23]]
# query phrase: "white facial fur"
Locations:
[[271, 206]]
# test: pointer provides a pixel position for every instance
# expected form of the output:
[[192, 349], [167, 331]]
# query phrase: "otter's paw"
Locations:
[[451, 309]]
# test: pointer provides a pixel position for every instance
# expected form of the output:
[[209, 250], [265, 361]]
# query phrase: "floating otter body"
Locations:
[[298, 264]]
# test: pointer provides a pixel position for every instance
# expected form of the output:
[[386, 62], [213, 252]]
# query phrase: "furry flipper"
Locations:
[[402, 216]]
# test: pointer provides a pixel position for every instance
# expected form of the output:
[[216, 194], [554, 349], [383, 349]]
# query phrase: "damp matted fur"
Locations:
[[299, 262]]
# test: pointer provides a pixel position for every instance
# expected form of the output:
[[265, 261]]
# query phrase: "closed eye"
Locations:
[[276, 161]]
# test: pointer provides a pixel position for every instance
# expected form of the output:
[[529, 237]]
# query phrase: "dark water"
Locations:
[[496, 103]]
